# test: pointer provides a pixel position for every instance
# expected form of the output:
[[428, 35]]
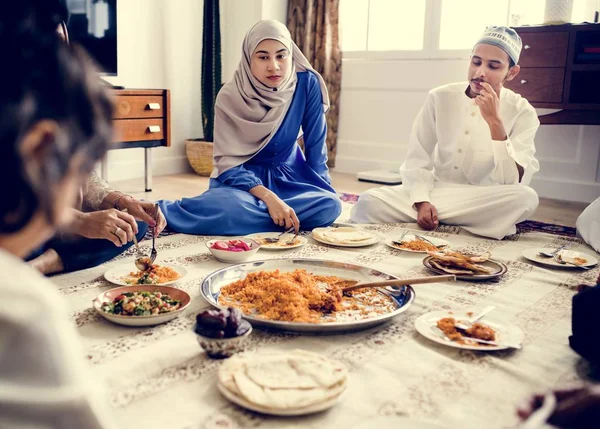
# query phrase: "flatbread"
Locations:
[[343, 235], [450, 270], [283, 380]]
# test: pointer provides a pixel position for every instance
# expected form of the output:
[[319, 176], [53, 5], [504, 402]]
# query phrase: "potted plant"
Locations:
[[200, 151]]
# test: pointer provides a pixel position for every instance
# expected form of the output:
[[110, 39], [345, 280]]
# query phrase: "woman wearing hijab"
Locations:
[[262, 181]]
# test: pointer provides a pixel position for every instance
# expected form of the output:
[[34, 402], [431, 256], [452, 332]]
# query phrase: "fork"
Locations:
[[561, 261], [555, 252], [420, 237], [475, 340], [291, 241], [153, 253], [278, 237]]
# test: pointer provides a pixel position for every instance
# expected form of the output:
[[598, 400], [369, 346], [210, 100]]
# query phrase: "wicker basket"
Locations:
[[200, 155]]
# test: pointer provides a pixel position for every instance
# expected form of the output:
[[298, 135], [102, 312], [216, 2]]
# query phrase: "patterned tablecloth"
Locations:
[[160, 378]]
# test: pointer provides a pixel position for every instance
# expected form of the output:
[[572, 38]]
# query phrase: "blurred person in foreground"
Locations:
[[55, 124]]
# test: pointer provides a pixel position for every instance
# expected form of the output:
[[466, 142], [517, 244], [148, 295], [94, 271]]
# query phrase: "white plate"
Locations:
[[115, 274], [532, 255], [505, 332], [394, 422], [242, 402], [373, 240], [274, 246], [409, 237], [110, 295]]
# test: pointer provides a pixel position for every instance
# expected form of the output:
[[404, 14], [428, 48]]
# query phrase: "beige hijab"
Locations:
[[248, 113]]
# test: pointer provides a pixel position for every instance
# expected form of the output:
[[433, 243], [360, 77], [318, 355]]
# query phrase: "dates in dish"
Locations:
[[231, 246], [221, 323]]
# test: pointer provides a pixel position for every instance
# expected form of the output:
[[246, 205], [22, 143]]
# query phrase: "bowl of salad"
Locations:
[[143, 305], [233, 250]]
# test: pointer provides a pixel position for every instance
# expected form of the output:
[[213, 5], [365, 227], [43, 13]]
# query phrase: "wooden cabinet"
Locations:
[[557, 74], [142, 119]]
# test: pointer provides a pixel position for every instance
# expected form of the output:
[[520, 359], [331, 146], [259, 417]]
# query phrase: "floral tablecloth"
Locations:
[[159, 377]]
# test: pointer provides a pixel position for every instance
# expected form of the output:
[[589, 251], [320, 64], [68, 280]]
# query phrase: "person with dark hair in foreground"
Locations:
[[105, 220], [55, 124]]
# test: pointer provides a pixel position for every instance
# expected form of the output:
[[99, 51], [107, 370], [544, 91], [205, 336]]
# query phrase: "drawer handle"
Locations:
[[523, 81], [153, 106], [154, 128], [526, 47]]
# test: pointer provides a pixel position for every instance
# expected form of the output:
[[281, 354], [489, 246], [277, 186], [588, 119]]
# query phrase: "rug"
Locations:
[[522, 227], [394, 369]]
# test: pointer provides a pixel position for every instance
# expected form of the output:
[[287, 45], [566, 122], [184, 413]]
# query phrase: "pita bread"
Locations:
[[283, 380], [343, 235], [450, 270]]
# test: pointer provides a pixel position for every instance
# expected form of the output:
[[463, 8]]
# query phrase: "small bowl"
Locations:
[[222, 348], [234, 257]]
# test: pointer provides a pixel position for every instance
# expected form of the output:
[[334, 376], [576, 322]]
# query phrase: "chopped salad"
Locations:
[[142, 303]]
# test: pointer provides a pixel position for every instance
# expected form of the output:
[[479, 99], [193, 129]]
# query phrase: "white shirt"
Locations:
[[588, 225], [451, 142], [44, 381]]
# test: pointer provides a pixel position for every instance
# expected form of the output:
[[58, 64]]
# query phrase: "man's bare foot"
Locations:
[[48, 263]]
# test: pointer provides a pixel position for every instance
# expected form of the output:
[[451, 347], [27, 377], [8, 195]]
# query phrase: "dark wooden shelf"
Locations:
[[551, 79]]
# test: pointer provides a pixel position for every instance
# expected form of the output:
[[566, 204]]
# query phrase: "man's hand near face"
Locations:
[[488, 101]]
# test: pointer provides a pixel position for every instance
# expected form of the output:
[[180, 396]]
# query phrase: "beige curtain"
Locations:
[[314, 28]]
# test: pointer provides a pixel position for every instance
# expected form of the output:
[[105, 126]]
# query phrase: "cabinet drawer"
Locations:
[[139, 106], [539, 85], [133, 130], [544, 49]]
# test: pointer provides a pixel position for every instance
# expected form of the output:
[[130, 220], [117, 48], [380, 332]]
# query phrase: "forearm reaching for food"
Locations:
[[282, 214], [113, 225]]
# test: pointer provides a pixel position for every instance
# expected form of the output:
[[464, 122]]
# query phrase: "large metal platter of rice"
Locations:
[[301, 295]]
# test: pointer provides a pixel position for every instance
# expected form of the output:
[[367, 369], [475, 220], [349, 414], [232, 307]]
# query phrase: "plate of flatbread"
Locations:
[[283, 383], [345, 236], [465, 266]]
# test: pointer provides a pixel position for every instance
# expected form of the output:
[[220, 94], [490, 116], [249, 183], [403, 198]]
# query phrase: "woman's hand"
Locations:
[[282, 214], [111, 224], [145, 212]]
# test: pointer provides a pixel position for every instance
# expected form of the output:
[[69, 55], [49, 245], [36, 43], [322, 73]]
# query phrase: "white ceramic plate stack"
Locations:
[[283, 383]]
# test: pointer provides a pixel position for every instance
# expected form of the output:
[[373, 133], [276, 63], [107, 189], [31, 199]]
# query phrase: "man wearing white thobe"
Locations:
[[588, 225], [471, 152]]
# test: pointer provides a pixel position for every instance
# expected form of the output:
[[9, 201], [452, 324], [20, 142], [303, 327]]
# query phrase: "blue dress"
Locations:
[[303, 183]]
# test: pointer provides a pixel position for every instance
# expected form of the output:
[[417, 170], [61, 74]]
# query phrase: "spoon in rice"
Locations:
[[349, 285]]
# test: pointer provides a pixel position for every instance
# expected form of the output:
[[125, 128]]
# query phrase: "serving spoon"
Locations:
[[354, 284]]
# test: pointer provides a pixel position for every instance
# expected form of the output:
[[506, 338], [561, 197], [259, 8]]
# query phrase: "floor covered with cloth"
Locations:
[[394, 371]]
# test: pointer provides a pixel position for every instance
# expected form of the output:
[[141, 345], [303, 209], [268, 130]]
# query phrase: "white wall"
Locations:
[[160, 46], [380, 99]]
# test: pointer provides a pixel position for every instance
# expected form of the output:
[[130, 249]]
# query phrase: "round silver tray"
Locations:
[[402, 297]]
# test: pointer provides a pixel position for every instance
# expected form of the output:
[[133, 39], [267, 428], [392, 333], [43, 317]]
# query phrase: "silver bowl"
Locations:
[[222, 348]]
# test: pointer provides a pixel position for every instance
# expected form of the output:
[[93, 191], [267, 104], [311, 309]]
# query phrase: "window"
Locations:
[[382, 25], [462, 22], [434, 28]]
